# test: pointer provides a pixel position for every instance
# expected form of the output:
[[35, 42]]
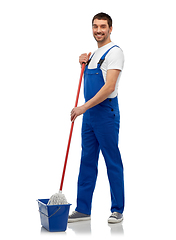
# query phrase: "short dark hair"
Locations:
[[103, 16]]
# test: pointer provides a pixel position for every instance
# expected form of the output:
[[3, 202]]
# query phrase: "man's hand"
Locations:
[[77, 111], [84, 58]]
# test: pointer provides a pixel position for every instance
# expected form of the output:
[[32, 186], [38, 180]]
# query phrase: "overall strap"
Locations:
[[104, 55], [89, 59]]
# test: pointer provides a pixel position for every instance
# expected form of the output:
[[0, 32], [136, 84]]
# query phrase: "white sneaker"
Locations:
[[115, 217]]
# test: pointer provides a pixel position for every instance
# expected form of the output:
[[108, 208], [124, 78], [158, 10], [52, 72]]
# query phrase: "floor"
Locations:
[[149, 212], [26, 224]]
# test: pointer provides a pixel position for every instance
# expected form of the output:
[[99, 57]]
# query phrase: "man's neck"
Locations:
[[101, 44]]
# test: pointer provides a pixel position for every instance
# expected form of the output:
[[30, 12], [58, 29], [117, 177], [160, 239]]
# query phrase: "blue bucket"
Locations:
[[53, 217]]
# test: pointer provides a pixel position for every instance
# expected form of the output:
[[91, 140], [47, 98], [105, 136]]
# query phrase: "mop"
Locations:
[[59, 198]]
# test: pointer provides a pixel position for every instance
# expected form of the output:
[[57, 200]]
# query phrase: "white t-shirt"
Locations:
[[113, 60]]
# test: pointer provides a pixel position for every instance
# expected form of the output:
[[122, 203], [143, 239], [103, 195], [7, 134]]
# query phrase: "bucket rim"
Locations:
[[39, 200]]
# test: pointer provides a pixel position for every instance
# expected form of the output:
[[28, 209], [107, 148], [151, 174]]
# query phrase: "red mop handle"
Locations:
[[71, 130]]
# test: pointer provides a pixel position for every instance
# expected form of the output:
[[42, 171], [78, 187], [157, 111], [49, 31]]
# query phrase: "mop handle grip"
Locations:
[[71, 129]]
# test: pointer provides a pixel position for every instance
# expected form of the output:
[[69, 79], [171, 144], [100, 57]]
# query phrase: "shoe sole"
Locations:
[[114, 220], [71, 220]]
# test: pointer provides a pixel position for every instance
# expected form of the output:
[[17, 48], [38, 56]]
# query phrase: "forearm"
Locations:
[[102, 95], [104, 92]]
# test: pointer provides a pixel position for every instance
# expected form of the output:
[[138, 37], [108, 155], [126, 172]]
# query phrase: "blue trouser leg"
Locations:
[[107, 136], [115, 175], [88, 169]]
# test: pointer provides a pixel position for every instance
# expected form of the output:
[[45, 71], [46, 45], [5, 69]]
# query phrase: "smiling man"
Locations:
[[101, 122]]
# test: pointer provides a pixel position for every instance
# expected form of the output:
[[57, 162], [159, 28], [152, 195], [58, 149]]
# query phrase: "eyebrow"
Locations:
[[103, 25]]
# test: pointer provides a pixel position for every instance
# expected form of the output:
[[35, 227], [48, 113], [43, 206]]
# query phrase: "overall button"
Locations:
[[112, 109]]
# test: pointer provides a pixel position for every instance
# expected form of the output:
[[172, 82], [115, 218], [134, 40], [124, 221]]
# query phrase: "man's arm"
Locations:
[[105, 91]]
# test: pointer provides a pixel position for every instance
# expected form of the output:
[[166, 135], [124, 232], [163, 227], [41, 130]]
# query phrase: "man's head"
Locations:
[[103, 16], [102, 28]]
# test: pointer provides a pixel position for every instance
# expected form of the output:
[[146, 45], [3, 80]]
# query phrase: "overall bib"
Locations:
[[100, 129]]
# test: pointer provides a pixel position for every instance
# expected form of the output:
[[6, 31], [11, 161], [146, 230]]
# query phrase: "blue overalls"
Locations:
[[100, 129]]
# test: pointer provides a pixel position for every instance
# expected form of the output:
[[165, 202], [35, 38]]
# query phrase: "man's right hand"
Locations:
[[84, 58]]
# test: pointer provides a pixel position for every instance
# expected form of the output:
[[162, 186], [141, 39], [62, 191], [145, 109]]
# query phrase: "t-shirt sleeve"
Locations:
[[115, 59]]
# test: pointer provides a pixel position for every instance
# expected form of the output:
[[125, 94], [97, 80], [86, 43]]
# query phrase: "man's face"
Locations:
[[101, 30]]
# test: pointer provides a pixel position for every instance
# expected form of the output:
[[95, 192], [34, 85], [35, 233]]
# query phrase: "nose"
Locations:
[[99, 29]]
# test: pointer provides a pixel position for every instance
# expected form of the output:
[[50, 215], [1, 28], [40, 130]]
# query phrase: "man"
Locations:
[[101, 119]]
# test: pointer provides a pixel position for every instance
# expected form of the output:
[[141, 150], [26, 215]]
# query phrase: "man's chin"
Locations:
[[99, 39]]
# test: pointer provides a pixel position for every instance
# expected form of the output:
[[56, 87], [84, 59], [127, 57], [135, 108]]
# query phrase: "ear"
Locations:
[[110, 30]]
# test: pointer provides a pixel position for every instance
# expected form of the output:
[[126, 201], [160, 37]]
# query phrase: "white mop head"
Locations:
[[57, 199]]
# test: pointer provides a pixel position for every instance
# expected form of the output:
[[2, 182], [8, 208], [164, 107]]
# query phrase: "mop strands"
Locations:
[[57, 199]]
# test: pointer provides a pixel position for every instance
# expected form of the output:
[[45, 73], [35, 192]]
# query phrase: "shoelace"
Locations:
[[114, 214], [73, 213]]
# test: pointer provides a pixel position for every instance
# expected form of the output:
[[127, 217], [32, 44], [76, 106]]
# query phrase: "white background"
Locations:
[[40, 42]]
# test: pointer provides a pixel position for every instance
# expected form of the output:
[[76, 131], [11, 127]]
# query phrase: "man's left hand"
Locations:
[[77, 111]]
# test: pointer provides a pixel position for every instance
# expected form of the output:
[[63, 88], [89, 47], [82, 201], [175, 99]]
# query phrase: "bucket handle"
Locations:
[[51, 215]]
